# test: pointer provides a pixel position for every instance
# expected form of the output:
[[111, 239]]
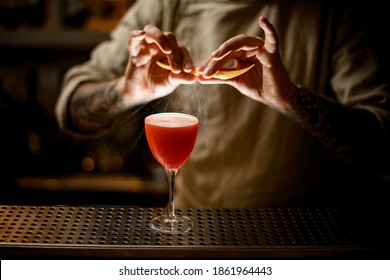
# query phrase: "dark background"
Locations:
[[39, 164]]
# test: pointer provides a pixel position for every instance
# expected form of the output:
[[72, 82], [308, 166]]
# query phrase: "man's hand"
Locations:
[[267, 81], [144, 80]]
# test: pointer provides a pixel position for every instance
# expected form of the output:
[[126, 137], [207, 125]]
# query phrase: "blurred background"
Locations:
[[39, 41]]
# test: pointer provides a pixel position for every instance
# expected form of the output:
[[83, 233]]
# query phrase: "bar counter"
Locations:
[[122, 232]]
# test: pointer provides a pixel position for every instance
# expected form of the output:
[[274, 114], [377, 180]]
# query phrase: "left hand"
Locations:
[[267, 81], [143, 80]]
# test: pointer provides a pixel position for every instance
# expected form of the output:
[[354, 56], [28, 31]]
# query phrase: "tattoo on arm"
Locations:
[[94, 105], [354, 134]]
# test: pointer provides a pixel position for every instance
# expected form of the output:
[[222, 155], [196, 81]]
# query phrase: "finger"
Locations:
[[210, 66], [155, 35], [238, 43], [135, 41], [137, 34], [188, 64], [204, 66], [175, 56], [271, 35], [148, 53], [214, 65]]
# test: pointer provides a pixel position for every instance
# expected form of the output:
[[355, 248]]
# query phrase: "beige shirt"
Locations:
[[246, 154]]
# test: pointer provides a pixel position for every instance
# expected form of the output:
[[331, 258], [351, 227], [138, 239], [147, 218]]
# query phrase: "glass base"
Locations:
[[166, 224]]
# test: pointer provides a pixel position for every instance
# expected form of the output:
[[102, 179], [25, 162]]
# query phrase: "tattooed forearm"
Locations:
[[354, 134], [94, 105]]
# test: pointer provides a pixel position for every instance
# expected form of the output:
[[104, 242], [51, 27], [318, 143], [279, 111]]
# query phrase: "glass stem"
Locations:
[[171, 173]]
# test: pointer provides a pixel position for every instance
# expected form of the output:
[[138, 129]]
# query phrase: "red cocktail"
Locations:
[[171, 138]]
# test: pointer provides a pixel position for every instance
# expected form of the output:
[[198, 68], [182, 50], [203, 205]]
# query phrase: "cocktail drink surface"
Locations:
[[171, 138]]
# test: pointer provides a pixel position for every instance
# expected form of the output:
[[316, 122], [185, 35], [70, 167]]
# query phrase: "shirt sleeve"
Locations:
[[359, 68]]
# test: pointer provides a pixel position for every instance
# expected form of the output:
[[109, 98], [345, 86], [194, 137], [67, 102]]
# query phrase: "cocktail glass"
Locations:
[[171, 138]]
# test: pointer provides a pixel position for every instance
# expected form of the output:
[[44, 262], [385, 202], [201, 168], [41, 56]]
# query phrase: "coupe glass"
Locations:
[[171, 138]]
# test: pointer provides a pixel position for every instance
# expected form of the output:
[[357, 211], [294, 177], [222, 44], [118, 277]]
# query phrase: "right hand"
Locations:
[[267, 82], [144, 80]]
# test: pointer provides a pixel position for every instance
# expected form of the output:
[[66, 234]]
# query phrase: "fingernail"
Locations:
[[188, 65], [206, 71], [166, 50]]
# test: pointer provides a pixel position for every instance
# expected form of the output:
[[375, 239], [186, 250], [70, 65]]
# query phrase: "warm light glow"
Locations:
[[88, 164]]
